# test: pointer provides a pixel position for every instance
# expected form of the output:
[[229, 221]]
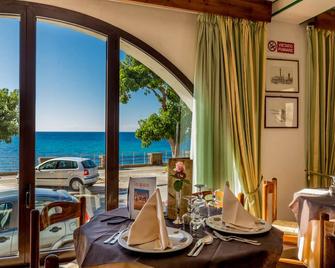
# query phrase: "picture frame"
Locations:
[[282, 76], [281, 112], [139, 191]]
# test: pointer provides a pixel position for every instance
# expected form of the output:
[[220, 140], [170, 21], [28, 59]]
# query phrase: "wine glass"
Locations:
[[187, 217], [197, 221], [200, 201]]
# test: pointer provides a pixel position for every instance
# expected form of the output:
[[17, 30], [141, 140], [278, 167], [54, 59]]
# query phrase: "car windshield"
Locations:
[[88, 164]]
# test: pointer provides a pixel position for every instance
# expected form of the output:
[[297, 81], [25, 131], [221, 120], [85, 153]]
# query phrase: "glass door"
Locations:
[[70, 124], [9, 135]]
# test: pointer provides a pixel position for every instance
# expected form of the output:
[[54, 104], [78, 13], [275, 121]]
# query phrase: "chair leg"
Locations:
[[51, 261], [34, 238]]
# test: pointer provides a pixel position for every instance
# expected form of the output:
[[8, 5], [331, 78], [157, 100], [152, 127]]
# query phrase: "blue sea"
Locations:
[[82, 144]]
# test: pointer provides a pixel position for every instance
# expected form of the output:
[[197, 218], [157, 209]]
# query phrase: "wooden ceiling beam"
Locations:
[[325, 20], [257, 10]]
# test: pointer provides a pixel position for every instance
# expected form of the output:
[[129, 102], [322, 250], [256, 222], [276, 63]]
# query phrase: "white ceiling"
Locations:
[[299, 11]]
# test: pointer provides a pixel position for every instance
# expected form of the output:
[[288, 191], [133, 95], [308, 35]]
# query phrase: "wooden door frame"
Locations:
[[29, 13]]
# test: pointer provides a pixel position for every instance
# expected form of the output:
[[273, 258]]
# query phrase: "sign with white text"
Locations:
[[281, 47]]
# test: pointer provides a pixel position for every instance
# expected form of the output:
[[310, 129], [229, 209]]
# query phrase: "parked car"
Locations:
[[58, 235], [67, 172]]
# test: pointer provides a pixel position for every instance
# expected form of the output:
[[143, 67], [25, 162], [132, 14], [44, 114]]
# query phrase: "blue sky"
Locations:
[[70, 79]]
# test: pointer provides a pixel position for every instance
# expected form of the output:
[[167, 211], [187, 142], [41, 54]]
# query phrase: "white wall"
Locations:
[[173, 33], [283, 150]]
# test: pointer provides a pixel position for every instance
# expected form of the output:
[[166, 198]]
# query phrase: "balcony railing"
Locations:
[[11, 164]]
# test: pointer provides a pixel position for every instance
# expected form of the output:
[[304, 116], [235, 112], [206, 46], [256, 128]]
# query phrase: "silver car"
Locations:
[[70, 172], [56, 236]]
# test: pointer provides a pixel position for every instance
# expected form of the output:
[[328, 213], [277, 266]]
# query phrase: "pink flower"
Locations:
[[180, 167]]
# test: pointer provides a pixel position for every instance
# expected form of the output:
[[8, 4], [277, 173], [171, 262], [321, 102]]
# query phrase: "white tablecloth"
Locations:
[[307, 205]]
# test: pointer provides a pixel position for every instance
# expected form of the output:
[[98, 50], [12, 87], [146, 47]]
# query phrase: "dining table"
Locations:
[[307, 204], [91, 251]]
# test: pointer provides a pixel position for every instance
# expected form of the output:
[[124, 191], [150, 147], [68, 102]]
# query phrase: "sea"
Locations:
[[82, 144]]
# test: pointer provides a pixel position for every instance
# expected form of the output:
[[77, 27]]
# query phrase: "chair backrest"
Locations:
[[51, 261], [65, 211], [269, 188], [327, 242], [34, 238]]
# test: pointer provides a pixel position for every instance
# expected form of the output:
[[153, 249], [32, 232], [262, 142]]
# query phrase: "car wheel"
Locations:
[[75, 184]]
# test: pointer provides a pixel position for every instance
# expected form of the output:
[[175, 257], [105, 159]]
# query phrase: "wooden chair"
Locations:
[[68, 210], [327, 242], [289, 228], [34, 238], [51, 261], [39, 222]]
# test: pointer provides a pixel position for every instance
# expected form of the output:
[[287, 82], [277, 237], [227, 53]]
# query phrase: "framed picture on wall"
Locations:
[[282, 76], [281, 112]]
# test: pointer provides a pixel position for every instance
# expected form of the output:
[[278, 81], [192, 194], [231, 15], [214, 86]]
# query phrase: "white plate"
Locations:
[[179, 238], [216, 223]]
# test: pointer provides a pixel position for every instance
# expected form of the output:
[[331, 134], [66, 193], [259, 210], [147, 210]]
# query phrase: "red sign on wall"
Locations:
[[285, 47], [281, 47]]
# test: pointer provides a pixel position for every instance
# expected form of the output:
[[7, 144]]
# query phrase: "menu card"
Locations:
[[139, 191]]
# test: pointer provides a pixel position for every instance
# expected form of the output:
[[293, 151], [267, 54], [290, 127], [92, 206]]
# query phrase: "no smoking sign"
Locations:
[[272, 46], [281, 47]]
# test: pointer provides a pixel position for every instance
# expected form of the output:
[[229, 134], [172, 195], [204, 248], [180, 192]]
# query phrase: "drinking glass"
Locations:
[[187, 217], [197, 222], [199, 213], [200, 202]]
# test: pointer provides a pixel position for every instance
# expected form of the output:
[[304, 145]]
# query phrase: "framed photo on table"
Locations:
[[282, 76], [281, 112]]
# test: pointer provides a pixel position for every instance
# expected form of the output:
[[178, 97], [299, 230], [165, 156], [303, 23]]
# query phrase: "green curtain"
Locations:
[[320, 104], [229, 92], [214, 166]]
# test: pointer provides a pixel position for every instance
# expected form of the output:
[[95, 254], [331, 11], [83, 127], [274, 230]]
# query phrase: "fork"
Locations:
[[197, 244], [116, 238], [111, 237], [236, 238]]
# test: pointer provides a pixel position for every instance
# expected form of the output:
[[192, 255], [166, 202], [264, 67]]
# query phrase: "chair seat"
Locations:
[[287, 227]]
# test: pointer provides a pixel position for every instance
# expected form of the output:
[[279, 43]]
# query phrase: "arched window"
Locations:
[[79, 125]]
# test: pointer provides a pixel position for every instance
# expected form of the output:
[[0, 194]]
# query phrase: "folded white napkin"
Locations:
[[312, 192], [149, 230], [235, 216]]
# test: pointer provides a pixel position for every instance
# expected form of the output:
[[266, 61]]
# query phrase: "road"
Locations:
[[95, 195]]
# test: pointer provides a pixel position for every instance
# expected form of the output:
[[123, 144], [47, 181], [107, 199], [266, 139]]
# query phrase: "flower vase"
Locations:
[[178, 203]]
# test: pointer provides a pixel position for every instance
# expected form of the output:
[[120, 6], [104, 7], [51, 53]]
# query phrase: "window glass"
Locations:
[[50, 165], [70, 80], [88, 164], [67, 164], [9, 132], [6, 210], [155, 123]]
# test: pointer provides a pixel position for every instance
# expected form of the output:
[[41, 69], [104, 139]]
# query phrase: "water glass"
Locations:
[[197, 223], [187, 217]]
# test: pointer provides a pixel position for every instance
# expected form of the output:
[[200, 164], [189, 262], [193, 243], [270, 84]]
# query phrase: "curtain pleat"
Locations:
[[213, 164], [229, 93], [320, 105]]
